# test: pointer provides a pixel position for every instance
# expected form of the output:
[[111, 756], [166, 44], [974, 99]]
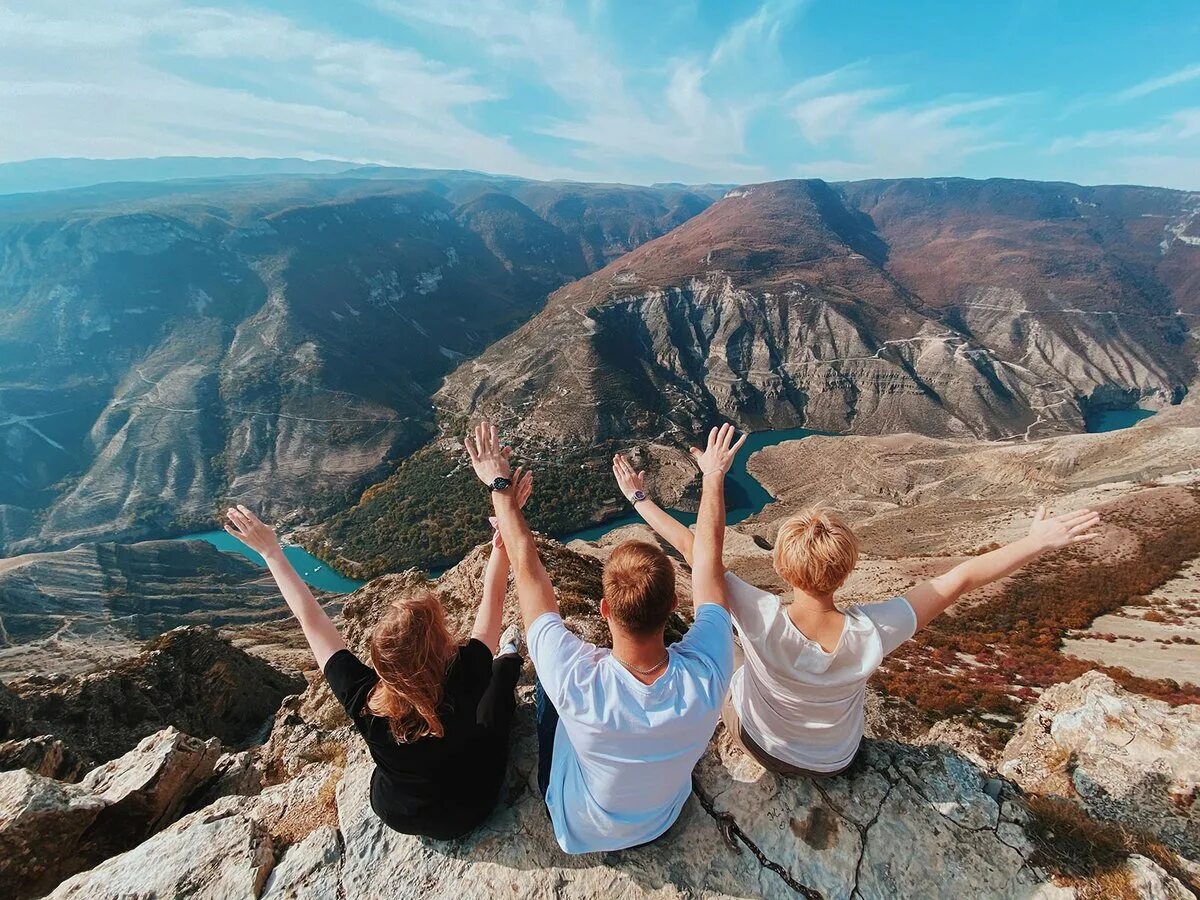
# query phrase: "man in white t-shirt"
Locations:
[[796, 704], [619, 731]]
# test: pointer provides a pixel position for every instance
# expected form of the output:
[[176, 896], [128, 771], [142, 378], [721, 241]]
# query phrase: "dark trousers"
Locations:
[[499, 701], [547, 724]]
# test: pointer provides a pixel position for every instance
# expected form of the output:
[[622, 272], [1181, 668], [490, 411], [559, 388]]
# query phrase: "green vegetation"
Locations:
[[433, 510]]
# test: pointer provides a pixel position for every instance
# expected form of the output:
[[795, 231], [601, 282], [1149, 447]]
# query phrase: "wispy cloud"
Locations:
[[141, 77], [1141, 89], [756, 31], [1182, 126], [880, 134], [678, 127]]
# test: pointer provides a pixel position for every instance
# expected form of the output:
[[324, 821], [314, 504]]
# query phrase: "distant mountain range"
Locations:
[[163, 345], [287, 338], [55, 174]]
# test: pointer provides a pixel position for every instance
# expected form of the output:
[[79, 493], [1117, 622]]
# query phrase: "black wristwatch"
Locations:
[[500, 484]]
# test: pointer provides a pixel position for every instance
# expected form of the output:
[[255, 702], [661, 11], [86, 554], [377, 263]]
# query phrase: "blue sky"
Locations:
[[619, 91]]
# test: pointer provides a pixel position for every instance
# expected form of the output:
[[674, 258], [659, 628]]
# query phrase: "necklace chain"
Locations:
[[654, 668]]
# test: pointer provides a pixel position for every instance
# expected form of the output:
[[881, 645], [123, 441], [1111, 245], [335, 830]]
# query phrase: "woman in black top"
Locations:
[[435, 714]]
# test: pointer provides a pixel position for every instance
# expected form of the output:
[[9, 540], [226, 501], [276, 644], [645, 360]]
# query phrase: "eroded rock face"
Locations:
[[220, 852], [44, 754], [49, 830], [1123, 757], [189, 677]]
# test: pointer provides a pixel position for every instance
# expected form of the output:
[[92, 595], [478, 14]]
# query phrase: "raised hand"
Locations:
[[250, 530], [717, 457], [1055, 532], [488, 458], [523, 479], [628, 480]]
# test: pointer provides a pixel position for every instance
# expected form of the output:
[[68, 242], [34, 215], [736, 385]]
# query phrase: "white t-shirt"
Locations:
[[624, 751], [801, 705]]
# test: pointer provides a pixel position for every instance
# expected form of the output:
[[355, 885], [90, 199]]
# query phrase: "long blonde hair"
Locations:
[[411, 650]]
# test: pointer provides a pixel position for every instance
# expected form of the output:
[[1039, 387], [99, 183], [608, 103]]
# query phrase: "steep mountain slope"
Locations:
[[947, 307], [772, 308], [165, 345], [1093, 287]]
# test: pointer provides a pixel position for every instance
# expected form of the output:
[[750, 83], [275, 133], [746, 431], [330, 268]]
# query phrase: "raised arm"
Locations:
[[934, 597], [323, 639], [708, 568], [495, 581], [535, 594], [670, 529]]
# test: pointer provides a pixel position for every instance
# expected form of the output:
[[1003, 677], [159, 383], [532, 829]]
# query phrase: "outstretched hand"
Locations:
[[1056, 532], [628, 480], [717, 457], [251, 531], [523, 479], [488, 458]]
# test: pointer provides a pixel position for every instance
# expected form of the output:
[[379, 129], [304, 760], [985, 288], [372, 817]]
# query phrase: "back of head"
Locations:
[[639, 587], [816, 551], [411, 649]]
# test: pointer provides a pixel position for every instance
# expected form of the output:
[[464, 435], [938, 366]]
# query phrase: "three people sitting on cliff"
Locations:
[[619, 731]]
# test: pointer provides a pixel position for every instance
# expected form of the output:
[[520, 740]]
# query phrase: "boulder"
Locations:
[[113, 808], [311, 870], [220, 852], [44, 754], [1124, 758], [41, 820]]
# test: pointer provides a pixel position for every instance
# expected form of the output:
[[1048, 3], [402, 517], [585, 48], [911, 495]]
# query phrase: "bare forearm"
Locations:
[[491, 608], [930, 599], [995, 564], [535, 595], [319, 631], [707, 566], [668, 528]]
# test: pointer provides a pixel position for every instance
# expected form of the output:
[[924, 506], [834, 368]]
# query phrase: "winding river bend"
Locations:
[[744, 497]]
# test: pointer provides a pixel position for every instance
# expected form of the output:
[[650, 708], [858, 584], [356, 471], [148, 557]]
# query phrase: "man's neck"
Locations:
[[643, 655], [812, 602]]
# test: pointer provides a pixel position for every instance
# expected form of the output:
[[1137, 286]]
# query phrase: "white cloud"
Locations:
[[755, 32], [678, 130], [1181, 76], [880, 136], [1180, 126], [156, 77]]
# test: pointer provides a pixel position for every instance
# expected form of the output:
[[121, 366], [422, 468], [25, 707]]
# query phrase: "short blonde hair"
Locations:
[[816, 551]]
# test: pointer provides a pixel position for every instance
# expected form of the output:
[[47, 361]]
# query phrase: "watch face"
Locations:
[[639, 496], [501, 484]]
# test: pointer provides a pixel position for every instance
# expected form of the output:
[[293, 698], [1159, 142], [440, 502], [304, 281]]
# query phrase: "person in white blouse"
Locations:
[[796, 702]]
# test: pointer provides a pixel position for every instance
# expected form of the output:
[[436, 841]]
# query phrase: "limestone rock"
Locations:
[[44, 754], [1123, 757], [36, 814], [190, 678], [216, 853], [113, 808], [311, 870]]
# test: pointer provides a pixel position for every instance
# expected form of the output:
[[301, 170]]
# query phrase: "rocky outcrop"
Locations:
[[141, 590], [42, 755], [189, 678], [49, 830], [220, 852], [1124, 758]]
